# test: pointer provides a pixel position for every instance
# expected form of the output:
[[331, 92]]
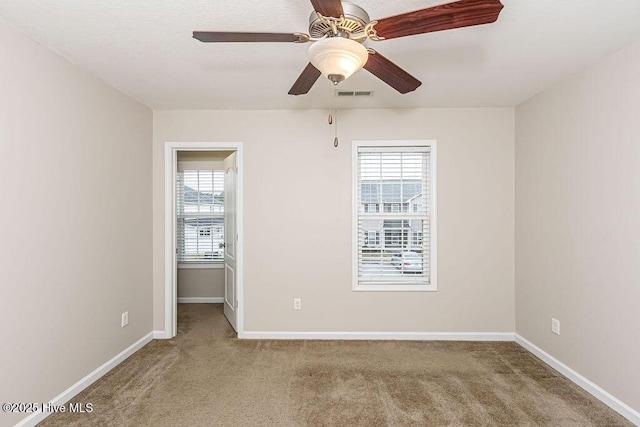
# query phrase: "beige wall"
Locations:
[[200, 282], [297, 217], [577, 222], [75, 168]]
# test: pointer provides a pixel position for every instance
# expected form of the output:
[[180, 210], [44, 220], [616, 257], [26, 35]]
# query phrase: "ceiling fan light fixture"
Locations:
[[337, 58]]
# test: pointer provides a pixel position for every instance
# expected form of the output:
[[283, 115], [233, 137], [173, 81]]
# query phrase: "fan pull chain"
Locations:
[[331, 120], [333, 117], [335, 139]]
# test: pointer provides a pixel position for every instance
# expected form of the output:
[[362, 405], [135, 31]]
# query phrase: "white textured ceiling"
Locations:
[[145, 49]]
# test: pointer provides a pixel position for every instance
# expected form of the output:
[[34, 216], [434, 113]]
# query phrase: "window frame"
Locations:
[[433, 223]]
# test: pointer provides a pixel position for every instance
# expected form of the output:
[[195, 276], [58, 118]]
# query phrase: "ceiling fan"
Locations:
[[339, 29]]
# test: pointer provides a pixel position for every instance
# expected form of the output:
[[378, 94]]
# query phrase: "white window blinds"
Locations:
[[393, 200], [200, 215]]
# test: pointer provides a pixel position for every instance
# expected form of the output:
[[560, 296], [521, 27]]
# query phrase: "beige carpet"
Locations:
[[207, 377]]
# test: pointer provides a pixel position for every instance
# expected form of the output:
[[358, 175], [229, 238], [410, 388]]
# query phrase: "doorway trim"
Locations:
[[170, 265]]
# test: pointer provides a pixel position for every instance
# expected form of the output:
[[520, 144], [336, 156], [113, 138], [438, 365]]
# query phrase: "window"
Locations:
[[371, 207], [416, 239], [395, 233], [200, 215], [394, 247], [372, 238]]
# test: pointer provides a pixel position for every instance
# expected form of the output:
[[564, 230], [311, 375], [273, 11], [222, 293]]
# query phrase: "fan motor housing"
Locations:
[[355, 20]]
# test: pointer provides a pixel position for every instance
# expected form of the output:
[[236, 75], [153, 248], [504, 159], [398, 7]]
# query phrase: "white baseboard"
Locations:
[[160, 335], [597, 391], [200, 300], [405, 336], [85, 382]]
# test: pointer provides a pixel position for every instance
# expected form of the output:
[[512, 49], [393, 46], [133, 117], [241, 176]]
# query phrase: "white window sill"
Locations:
[[394, 288], [196, 265]]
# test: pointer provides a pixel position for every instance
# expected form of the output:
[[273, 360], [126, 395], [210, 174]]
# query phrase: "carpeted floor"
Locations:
[[207, 377]]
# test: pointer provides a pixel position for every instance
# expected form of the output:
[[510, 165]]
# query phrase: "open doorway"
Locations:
[[203, 224]]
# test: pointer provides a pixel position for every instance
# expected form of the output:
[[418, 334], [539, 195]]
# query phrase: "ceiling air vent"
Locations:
[[354, 93]]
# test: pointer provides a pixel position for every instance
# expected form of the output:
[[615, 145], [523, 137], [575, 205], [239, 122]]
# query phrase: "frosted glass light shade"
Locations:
[[337, 58]]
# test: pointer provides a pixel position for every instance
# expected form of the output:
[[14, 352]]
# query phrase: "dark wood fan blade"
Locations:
[[463, 13], [305, 81], [328, 7], [230, 36], [390, 73]]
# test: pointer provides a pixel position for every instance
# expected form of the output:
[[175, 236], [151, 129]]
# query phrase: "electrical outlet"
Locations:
[[555, 326], [297, 303], [125, 319]]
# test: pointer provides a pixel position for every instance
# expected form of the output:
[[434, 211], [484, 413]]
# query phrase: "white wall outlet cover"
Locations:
[[297, 303], [125, 319], [555, 326]]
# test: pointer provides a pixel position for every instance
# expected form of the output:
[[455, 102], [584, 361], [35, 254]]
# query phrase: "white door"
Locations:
[[230, 239]]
